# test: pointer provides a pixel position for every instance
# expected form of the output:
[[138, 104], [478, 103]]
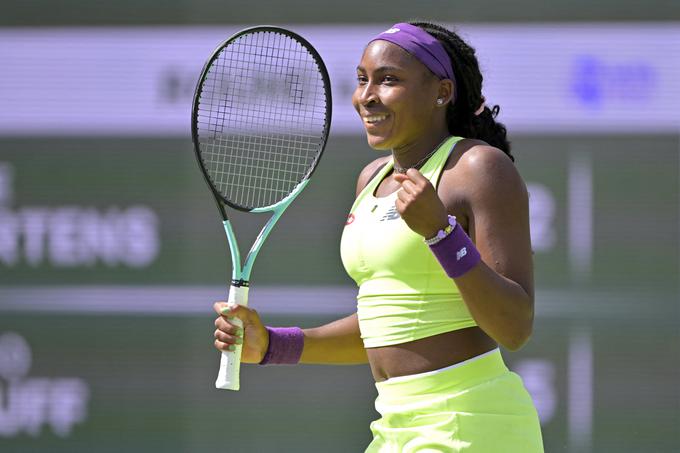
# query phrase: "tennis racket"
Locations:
[[260, 120]]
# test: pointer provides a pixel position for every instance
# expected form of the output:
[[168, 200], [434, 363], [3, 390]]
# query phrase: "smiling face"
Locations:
[[396, 97]]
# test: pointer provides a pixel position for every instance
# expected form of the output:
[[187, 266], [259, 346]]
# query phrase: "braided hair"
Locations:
[[460, 114]]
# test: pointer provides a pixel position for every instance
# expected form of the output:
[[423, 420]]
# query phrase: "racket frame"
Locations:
[[228, 376]]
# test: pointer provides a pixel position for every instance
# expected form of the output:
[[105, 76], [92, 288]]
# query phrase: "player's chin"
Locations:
[[378, 142]]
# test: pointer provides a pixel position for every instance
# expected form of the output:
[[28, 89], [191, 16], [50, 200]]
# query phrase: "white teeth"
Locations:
[[374, 118]]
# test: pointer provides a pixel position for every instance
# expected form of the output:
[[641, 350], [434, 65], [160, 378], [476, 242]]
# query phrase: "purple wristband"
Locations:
[[285, 346], [456, 253]]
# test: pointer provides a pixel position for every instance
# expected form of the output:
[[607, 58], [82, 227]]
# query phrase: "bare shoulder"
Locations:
[[483, 171], [496, 205], [370, 171]]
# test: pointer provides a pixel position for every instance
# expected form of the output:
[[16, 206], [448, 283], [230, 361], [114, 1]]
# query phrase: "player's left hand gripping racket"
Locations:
[[259, 123]]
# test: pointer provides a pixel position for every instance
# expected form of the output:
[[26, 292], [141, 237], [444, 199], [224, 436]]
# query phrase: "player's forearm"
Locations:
[[338, 342], [501, 307]]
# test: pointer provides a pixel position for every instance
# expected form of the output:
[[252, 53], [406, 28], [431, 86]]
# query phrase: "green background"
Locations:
[[635, 210], [150, 372], [151, 383]]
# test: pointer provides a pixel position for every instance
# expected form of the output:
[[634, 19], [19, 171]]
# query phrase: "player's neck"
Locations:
[[414, 154]]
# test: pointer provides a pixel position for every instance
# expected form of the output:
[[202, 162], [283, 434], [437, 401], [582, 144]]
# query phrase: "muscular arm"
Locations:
[[498, 291], [487, 195], [338, 342]]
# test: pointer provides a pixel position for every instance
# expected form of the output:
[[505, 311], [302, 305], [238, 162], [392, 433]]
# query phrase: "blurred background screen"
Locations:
[[110, 261]]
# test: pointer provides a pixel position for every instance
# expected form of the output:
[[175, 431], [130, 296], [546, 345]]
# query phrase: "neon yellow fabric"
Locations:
[[476, 406], [404, 294]]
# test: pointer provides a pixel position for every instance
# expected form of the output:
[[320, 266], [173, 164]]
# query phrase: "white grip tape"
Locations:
[[230, 363]]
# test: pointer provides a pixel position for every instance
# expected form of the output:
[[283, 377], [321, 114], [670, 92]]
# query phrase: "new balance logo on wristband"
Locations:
[[461, 253]]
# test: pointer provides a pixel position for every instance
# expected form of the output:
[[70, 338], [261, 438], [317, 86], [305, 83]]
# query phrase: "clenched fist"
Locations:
[[419, 205]]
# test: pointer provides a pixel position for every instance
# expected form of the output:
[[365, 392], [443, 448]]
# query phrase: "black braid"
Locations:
[[460, 114]]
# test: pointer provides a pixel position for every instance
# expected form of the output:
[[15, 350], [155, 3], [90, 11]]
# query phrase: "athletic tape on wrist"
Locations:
[[285, 346], [456, 253]]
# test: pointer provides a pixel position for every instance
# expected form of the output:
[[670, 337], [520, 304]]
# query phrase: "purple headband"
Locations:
[[422, 45]]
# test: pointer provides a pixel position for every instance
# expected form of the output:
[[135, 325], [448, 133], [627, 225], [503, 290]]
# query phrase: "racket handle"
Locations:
[[230, 363]]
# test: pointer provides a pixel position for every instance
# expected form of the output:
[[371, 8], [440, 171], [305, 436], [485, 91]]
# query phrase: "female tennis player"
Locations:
[[438, 243]]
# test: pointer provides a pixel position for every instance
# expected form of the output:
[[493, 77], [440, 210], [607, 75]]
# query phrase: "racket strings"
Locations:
[[262, 118]]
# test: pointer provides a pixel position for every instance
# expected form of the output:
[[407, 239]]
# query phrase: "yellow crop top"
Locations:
[[404, 294]]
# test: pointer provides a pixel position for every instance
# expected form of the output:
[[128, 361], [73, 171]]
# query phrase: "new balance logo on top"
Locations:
[[391, 214], [461, 253], [392, 30]]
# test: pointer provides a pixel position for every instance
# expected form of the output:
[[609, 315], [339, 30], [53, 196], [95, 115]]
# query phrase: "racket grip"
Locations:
[[230, 363]]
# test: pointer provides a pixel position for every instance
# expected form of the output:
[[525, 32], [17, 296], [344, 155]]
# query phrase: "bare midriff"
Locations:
[[428, 354]]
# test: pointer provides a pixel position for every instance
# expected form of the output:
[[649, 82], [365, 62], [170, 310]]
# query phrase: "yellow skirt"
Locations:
[[474, 406]]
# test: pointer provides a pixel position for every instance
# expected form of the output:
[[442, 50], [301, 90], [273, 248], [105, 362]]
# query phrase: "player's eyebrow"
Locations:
[[380, 69]]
